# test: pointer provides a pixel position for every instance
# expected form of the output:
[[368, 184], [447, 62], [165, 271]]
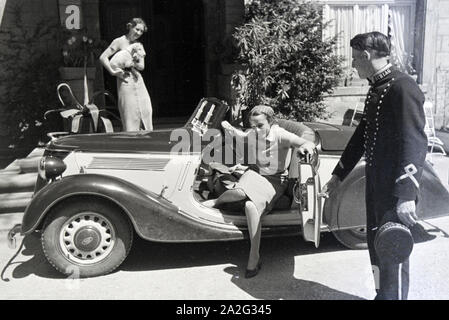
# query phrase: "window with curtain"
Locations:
[[395, 18]]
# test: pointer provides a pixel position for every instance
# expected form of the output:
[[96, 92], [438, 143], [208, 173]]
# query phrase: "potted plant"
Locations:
[[79, 112], [80, 52]]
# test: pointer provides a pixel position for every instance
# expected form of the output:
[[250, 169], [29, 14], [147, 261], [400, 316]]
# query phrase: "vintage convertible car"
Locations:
[[95, 191]]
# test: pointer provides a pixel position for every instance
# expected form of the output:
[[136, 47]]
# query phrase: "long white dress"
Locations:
[[134, 102]]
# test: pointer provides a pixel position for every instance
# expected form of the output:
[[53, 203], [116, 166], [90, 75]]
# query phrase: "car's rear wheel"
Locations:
[[352, 238], [86, 237]]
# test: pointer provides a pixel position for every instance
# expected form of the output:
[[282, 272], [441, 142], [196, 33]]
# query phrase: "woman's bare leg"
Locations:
[[255, 229], [253, 217]]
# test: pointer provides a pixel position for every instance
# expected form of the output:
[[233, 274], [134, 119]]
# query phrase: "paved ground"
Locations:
[[291, 269]]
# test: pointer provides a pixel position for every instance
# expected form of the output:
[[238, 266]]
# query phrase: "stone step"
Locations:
[[21, 174], [14, 167], [7, 221], [10, 183], [14, 205], [28, 165], [37, 152], [15, 196]]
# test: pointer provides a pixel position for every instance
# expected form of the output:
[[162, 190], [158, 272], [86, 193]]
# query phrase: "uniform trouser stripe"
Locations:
[[376, 275], [400, 282], [393, 283]]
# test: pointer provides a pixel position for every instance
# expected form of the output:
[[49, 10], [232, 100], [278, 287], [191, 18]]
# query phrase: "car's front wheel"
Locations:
[[352, 238], [86, 237]]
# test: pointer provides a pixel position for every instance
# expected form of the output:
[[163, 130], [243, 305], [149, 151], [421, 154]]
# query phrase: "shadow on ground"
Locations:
[[276, 279], [32, 261], [148, 256]]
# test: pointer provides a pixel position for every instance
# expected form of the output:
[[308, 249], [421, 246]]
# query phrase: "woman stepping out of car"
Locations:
[[264, 177], [134, 102]]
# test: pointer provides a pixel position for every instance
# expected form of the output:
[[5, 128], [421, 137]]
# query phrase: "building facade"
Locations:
[[187, 44], [419, 33]]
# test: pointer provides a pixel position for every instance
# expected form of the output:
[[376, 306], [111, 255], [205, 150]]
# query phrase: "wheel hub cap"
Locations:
[[87, 238]]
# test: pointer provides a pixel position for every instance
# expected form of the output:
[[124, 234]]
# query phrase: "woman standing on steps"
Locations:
[[134, 102]]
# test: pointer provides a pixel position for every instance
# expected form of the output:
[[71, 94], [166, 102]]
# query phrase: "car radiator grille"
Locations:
[[128, 164]]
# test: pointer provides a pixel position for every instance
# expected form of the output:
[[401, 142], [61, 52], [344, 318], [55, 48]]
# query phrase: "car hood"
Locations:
[[123, 142]]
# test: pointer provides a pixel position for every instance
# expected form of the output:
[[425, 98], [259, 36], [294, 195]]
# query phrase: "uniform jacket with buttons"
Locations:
[[391, 136]]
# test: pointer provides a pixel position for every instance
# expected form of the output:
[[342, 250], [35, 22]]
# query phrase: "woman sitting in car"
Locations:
[[264, 180]]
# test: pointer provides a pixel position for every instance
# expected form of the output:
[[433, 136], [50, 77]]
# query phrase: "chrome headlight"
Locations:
[[51, 167]]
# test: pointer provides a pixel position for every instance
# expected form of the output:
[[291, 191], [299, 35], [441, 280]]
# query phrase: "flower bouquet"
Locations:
[[81, 50]]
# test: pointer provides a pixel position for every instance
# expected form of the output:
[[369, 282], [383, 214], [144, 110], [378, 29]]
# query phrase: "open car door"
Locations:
[[306, 193]]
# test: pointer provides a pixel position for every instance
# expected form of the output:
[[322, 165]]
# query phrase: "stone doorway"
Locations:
[[175, 62]]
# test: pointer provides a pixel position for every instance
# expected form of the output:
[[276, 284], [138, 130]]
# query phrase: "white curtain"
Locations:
[[401, 32], [345, 21], [372, 18], [341, 25]]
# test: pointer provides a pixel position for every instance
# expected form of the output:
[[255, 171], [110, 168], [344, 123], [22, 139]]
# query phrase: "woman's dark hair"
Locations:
[[135, 21], [372, 41]]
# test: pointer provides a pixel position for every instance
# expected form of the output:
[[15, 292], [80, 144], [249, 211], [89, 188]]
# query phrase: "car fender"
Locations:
[[153, 217], [433, 198], [346, 208]]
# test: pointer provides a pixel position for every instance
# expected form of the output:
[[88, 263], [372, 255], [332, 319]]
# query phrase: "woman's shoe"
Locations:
[[252, 273]]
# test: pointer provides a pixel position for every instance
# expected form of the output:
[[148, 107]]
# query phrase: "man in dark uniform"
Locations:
[[392, 139]]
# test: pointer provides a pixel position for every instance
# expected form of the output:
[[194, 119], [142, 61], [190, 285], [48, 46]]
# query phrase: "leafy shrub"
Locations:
[[29, 79], [285, 62]]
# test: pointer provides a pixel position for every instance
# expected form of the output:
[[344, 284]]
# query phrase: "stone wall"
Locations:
[[91, 20], [234, 15], [33, 11], [442, 67], [213, 15], [436, 59], [221, 18]]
